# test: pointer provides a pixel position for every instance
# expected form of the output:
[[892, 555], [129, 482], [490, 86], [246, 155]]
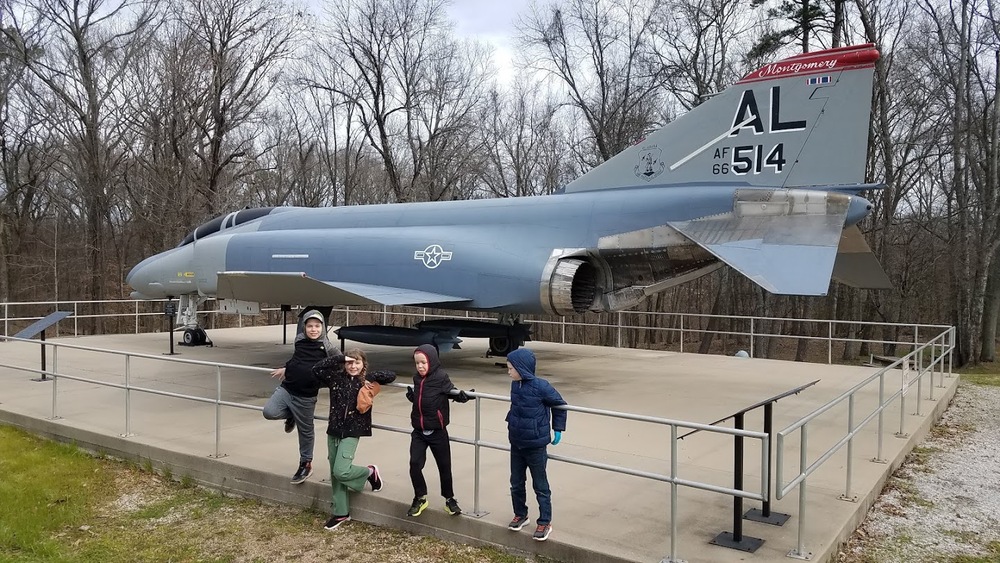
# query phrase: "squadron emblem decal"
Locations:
[[432, 256], [650, 163]]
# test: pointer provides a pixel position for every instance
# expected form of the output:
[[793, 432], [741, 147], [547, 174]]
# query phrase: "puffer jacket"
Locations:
[[531, 402], [345, 421], [299, 380], [431, 409]]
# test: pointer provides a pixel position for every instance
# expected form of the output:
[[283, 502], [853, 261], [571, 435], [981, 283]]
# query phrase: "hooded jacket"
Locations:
[[430, 393], [531, 402], [345, 421], [299, 379]]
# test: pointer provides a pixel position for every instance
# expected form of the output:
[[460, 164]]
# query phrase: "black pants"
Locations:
[[440, 447]]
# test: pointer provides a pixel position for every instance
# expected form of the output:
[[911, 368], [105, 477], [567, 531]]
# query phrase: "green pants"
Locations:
[[344, 474]]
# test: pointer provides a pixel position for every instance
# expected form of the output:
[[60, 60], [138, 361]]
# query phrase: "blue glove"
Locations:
[[557, 438]]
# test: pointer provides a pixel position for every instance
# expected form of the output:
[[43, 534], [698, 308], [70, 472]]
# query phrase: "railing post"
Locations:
[[752, 355], [55, 380], [385, 315], [137, 317], [6, 315], [619, 329], [850, 451], [562, 323], [938, 361], [218, 409], [673, 490], [829, 342], [76, 316], [800, 551], [881, 417], [930, 369], [476, 471], [920, 380], [128, 397], [951, 351], [902, 401], [682, 333]]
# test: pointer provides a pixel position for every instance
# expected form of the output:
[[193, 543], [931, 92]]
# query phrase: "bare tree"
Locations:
[[601, 52], [985, 169], [700, 46], [517, 129], [87, 49], [240, 45], [413, 88], [27, 159]]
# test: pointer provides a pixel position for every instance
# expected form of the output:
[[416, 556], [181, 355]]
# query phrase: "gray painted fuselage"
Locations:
[[498, 247]]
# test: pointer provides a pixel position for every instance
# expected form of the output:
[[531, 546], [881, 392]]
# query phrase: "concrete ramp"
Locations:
[[597, 515]]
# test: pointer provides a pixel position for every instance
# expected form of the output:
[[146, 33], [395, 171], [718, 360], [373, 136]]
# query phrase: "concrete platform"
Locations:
[[597, 515]]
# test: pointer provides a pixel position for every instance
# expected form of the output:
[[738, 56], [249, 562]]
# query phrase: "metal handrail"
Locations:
[[672, 478], [945, 340]]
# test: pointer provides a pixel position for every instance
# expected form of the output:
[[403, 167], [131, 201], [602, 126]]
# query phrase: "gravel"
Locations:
[[943, 503]]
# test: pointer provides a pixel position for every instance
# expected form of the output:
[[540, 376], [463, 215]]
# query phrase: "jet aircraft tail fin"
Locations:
[[802, 121]]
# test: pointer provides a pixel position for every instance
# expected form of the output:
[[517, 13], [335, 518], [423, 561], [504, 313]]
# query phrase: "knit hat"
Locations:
[[313, 314]]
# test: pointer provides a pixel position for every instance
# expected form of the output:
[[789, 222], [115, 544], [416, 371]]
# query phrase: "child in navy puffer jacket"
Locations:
[[529, 422]]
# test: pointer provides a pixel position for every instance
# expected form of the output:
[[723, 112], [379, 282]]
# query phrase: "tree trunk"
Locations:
[[991, 314]]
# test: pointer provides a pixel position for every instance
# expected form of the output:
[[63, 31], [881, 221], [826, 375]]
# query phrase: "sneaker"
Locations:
[[289, 425], [451, 507], [542, 532], [305, 470], [375, 480], [418, 506], [335, 521], [518, 522]]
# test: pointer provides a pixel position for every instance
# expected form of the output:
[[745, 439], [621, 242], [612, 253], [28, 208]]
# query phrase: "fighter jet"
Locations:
[[764, 176]]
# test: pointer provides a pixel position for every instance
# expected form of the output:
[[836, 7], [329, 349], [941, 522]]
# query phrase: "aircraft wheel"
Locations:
[[190, 337], [502, 345], [200, 337]]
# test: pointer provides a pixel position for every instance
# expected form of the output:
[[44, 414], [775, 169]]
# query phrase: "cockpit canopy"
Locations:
[[224, 222]]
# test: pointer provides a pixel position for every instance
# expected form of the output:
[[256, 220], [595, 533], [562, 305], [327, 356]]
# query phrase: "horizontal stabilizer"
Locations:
[[296, 288], [856, 265], [787, 247]]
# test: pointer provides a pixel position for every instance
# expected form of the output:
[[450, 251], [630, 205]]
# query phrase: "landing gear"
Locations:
[[187, 318], [195, 337], [503, 345]]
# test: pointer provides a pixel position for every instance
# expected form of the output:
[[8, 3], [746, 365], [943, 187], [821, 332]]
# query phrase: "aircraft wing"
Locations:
[[856, 265], [296, 288], [786, 247]]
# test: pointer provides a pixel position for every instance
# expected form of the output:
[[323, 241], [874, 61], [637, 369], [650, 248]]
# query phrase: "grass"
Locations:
[[900, 547], [992, 555], [45, 487], [93, 509], [982, 374]]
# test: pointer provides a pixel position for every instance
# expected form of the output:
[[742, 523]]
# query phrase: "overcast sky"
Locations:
[[491, 22]]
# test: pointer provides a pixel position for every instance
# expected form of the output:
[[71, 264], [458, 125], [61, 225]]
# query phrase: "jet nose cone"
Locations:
[[140, 278], [858, 210], [165, 274]]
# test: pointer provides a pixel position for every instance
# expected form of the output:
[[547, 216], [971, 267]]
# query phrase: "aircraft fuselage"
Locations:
[[495, 251]]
